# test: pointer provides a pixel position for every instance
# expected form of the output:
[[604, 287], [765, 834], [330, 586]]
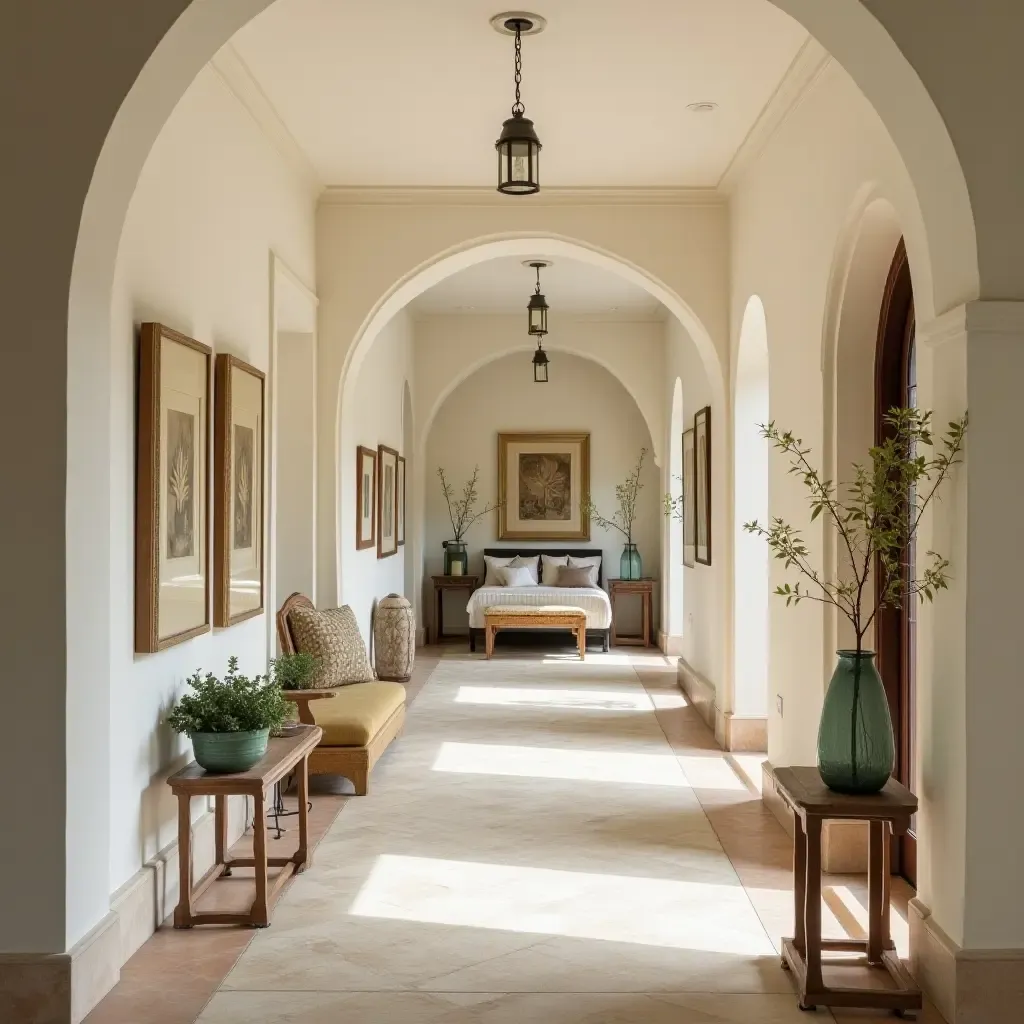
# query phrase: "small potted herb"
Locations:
[[293, 671], [229, 721]]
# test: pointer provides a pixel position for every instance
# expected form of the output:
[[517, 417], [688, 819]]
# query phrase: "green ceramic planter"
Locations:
[[225, 752], [856, 751]]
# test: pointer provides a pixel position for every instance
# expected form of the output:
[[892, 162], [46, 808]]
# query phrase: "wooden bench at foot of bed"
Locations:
[[548, 616]]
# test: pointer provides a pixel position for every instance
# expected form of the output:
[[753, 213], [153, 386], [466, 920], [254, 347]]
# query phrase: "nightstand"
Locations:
[[441, 584], [642, 588]]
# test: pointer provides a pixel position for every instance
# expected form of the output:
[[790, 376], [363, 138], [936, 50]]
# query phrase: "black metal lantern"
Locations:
[[540, 365], [537, 307], [518, 146]]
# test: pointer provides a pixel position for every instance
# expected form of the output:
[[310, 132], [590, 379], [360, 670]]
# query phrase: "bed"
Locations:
[[594, 601]]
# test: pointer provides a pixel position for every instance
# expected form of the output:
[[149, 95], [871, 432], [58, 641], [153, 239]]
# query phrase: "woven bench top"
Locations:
[[530, 610]]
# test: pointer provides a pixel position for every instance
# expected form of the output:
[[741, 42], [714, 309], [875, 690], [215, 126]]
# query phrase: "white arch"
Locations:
[[467, 254], [750, 501]]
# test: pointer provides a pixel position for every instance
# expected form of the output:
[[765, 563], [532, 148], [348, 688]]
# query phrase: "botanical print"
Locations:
[[389, 502], [689, 503], [545, 487], [242, 462], [181, 455], [367, 493], [400, 525], [702, 483], [702, 466]]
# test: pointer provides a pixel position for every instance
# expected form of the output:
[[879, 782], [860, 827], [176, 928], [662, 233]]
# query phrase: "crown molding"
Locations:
[[806, 68], [475, 195], [235, 74]]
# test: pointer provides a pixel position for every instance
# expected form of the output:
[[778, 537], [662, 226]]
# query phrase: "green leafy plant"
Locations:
[[626, 495], [292, 671], [876, 518], [234, 704], [461, 509]]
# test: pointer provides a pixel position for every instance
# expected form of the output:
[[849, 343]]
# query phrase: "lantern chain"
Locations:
[[517, 107]]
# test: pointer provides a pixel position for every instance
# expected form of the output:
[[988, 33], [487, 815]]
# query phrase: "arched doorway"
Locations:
[[750, 491], [896, 628]]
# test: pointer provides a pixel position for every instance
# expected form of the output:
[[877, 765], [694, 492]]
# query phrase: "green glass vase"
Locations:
[[856, 751], [630, 565]]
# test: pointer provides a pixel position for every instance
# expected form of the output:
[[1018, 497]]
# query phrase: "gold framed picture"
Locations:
[[387, 501], [541, 479], [689, 502], [702, 483], [172, 585], [366, 498], [238, 460], [401, 500]]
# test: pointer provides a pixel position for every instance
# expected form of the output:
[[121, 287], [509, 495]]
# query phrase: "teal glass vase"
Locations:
[[630, 565], [856, 750]]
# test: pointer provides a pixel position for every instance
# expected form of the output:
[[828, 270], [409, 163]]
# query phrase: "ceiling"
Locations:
[[380, 93], [504, 285]]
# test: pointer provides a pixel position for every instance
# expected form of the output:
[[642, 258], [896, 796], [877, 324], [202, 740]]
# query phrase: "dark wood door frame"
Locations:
[[893, 631]]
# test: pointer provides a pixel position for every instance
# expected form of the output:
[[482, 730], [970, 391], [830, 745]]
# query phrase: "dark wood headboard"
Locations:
[[511, 552]]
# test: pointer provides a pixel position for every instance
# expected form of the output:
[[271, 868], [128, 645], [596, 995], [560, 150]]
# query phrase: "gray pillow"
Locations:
[[570, 577]]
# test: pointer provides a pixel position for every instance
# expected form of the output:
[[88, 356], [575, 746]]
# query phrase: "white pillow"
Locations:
[[593, 563], [515, 576], [494, 563], [550, 564], [531, 562]]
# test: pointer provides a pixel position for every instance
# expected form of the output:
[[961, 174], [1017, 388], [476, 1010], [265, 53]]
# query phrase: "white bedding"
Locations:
[[593, 601]]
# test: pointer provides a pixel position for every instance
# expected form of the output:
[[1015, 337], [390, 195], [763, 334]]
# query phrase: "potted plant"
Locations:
[[622, 519], [876, 519], [293, 671], [229, 721], [462, 515]]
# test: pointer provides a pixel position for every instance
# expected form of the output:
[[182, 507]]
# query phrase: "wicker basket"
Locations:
[[394, 638]]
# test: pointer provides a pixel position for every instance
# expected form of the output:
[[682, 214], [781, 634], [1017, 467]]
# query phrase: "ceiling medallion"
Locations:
[[518, 147]]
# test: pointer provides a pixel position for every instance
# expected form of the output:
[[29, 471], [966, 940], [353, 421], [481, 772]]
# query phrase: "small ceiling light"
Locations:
[[537, 307], [703, 107], [518, 146], [540, 365]]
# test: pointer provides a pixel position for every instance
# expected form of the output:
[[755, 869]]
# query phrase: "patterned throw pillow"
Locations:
[[332, 637]]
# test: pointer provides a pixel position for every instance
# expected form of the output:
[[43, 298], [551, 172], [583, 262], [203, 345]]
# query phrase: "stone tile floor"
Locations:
[[550, 841]]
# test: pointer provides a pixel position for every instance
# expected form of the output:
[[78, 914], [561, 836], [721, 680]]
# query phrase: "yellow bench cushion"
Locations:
[[357, 713]]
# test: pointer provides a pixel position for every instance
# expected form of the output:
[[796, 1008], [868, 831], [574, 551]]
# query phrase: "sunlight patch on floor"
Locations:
[[613, 908], [853, 915], [589, 700], [555, 763], [712, 772], [573, 659]]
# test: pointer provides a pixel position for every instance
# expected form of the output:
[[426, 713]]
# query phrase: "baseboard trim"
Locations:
[[62, 987], [967, 986], [732, 732], [421, 637], [670, 643]]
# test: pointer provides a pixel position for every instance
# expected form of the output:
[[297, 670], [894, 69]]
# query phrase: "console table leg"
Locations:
[[812, 906], [799, 884], [260, 916], [876, 910], [183, 911], [302, 854]]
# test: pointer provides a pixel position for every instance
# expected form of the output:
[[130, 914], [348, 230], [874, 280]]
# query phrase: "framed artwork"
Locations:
[[172, 585], [387, 501], [366, 498], [401, 500], [238, 460], [689, 503], [541, 479], [702, 483]]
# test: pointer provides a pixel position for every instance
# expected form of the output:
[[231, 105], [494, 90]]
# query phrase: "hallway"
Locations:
[[550, 841]]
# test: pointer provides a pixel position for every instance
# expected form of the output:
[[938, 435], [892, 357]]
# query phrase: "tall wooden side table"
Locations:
[[441, 584], [284, 753], [889, 811], [644, 589]]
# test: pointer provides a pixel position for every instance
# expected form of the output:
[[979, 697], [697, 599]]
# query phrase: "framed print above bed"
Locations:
[[689, 502], [387, 501], [172, 585], [702, 483], [366, 498], [541, 479], [238, 457]]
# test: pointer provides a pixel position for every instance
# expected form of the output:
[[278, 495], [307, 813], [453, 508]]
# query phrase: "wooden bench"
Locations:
[[550, 616]]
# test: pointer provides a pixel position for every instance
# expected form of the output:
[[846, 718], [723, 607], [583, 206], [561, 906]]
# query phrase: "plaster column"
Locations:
[[967, 924]]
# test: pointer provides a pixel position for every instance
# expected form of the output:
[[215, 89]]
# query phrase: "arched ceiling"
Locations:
[[400, 92]]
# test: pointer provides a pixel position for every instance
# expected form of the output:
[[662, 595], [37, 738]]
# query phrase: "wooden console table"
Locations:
[[441, 584], [812, 802], [284, 754], [644, 589]]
